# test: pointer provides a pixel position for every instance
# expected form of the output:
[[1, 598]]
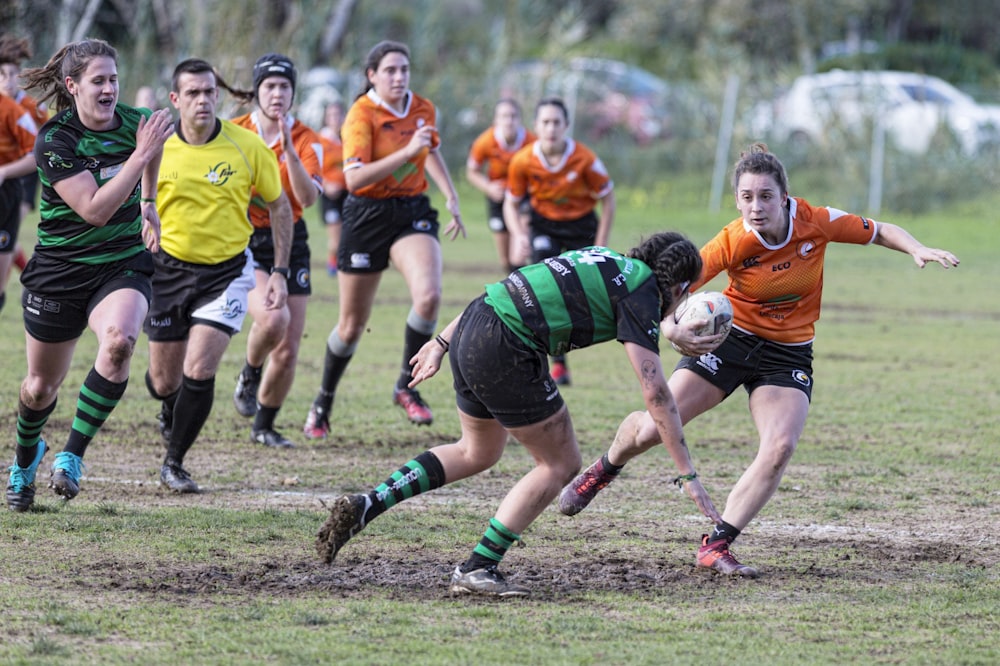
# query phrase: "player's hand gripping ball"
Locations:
[[712, 306]]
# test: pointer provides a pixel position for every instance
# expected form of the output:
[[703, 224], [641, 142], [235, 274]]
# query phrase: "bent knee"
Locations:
[[777, 453], [118, 347]]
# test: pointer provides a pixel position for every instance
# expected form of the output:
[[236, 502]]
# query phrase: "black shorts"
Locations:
[[496, 375], [10, 214], [494, 214], [58, 296], [332, 209], [372, 226], [185, 294], [29, 188], [549, 238], [262, 248], [751, 361]]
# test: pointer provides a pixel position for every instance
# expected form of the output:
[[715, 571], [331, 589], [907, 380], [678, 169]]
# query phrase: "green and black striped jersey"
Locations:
[[580, 298], [65, 148]]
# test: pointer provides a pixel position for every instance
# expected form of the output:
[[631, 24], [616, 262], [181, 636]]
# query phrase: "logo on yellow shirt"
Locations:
[[219, 174]]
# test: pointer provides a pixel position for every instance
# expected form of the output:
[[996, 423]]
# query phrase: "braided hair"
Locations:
[[674, 260]]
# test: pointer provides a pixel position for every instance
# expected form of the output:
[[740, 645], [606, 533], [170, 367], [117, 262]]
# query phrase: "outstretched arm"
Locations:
[[896, 238]]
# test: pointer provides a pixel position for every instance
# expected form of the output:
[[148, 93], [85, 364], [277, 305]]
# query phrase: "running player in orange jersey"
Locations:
[[487, 165], [276, 333], [390, 146], [773, 255], [564, 180], [13, 52], [334, 185], [17, 140]]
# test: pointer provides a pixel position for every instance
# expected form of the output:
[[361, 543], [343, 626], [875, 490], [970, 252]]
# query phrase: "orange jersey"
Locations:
[[39, 112], [333, 161], [567, 191], [372, 130], [307, 145], [490, 148], [17, 131], [776, 290]]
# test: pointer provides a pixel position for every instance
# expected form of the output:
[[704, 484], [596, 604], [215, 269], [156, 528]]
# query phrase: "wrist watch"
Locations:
[[283, 271]]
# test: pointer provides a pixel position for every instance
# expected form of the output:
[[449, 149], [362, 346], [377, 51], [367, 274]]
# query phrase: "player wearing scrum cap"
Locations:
[[276, 333]]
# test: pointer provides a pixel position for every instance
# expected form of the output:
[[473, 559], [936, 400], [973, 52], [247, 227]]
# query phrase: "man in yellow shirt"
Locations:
[[204, 270]]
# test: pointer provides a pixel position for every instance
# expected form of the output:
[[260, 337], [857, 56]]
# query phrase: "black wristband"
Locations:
[[444, 343]]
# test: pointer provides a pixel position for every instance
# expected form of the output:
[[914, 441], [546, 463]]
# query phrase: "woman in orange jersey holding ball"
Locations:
[[773, 254], [564, 181], [390, 146], [487, 166]]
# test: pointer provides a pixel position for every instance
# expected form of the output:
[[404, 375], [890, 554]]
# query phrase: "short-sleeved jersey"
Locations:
[[578, 299], [776, 289], [204, 193], [307, 145], [566, 191], [493, 150], [66, 148], [17, 131], [372, 130], [333, 160], [38, 112]]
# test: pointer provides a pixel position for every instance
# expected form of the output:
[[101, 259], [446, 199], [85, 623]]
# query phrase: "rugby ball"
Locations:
[[712, 306]]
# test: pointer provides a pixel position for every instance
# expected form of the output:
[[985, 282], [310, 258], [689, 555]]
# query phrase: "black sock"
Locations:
[[29, 430], [723, 531], [333, 369], [191, 410], [413, 340], [609, 469], [98, 397], [264, 420]]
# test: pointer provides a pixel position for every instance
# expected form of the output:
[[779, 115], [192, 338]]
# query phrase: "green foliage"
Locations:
[[946, 60]]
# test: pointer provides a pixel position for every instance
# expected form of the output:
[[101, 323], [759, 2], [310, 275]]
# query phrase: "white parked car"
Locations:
[[823, 108]]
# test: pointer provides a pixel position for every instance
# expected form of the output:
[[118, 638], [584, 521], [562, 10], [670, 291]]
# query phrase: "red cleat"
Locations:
[[716, 555], [416, 409]]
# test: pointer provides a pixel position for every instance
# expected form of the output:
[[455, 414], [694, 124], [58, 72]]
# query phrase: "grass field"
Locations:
[[880, 546]]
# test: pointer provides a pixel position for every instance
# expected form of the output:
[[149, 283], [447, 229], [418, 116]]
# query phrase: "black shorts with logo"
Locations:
[[372, 226], [262, 248], [549, 238], [496, 375], [751, 361], [58, 296]]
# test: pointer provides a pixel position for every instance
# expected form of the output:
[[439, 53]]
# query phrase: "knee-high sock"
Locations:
[[29, 430], [191, 410], [98, 398]]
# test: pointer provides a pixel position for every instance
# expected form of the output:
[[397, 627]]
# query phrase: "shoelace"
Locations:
[[71, 465]]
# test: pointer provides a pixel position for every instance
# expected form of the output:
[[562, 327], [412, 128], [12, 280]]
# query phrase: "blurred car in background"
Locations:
[[602, 95], [820, 108]]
